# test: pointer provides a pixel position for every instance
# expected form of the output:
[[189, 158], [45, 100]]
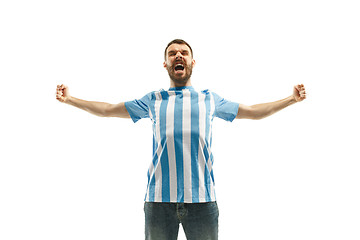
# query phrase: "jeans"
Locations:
[[199, 220]]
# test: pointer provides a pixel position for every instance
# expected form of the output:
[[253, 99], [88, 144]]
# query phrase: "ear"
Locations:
[[164, 64], [193, 62]]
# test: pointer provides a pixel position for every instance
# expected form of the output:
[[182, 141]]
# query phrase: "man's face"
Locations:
[[179, 63]]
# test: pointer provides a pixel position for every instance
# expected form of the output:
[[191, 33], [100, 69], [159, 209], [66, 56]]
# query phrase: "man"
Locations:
[[180, 177]]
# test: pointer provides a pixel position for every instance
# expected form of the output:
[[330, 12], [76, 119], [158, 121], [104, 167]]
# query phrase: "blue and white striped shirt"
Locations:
[[181, 168]]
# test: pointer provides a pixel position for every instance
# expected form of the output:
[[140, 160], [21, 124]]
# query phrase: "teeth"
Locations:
[[179, 67]]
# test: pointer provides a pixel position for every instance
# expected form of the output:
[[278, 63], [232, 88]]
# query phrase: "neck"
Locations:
[[176, 84]]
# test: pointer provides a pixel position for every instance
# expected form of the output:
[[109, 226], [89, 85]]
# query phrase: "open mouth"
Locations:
[[179, 67]]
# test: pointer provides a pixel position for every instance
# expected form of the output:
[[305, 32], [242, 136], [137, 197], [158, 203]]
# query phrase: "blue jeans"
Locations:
[[199, 220]]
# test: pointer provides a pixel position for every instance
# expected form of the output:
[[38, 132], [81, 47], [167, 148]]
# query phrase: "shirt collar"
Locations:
[[181, 88]]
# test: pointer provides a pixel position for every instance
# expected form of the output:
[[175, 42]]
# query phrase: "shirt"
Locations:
[[181, 168]]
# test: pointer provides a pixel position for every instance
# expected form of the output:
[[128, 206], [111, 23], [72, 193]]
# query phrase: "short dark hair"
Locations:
[[177, 41]]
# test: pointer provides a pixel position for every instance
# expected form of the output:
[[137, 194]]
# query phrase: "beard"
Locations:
[[184, 78]]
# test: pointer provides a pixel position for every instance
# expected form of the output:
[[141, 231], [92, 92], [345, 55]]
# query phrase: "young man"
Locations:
[[180, 178]]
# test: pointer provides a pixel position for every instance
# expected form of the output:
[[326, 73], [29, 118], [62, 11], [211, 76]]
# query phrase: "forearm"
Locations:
[[96, 108], [266, 109]]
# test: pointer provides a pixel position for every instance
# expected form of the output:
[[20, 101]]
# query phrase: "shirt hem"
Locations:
[[200, 201]]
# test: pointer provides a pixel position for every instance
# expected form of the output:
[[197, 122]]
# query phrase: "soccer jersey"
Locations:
[[181, 168]]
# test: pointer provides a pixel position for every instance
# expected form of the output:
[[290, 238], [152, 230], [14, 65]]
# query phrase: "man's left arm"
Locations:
[[263, 110]]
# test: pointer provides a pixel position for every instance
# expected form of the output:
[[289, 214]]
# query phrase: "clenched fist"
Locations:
[[62, 93], [299, 92]]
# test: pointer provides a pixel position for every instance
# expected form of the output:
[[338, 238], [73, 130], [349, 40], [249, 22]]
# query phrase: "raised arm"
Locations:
[[263, 110], [100, 109]]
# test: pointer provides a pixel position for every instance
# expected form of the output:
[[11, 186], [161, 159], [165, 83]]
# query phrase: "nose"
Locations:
[[178, 56]]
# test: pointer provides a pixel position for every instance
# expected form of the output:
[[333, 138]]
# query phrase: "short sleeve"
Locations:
[[139, 108], [225, 109]]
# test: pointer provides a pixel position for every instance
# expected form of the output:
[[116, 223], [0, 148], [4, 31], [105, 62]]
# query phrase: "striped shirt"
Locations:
[[181, 168]]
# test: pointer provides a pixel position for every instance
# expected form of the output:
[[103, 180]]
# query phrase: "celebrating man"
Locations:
[[180, 177]]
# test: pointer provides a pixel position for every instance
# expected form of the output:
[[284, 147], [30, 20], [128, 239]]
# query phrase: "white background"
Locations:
[[67, 174]]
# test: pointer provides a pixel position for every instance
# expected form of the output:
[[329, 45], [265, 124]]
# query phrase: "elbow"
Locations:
[[106, 111], [251, 112], [258, 114], [257, 117], [101, 114], [255, 114], [115, 110]]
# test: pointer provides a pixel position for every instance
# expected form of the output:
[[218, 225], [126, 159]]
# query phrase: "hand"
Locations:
[[62, 93], [299, 92]]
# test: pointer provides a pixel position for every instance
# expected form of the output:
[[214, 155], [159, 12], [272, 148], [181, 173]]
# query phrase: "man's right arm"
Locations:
[[100, 109]]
